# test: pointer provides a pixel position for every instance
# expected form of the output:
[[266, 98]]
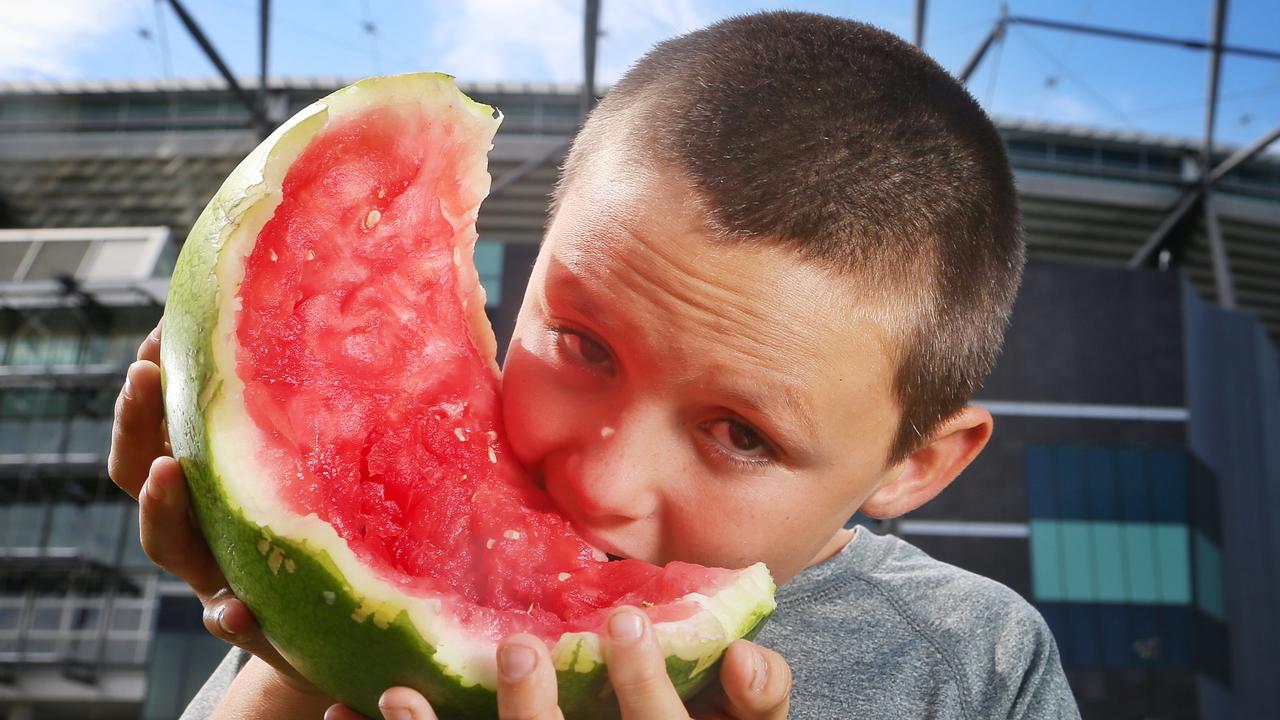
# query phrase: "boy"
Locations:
[[779, 262]]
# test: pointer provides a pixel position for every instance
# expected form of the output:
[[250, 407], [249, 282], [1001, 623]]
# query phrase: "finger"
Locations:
[[227, 618], [168, 531], [137, 435], [526, 680], [638, 670], [342, 712], [755, 682], [402, 703], [150, 347]]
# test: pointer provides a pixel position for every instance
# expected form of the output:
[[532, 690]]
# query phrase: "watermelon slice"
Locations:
[[333, 397]]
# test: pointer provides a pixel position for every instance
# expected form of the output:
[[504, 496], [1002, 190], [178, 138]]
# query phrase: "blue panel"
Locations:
[[488, 259], [1083, 624], [1108, 562], [1046, 560], [1144, 636], [1055, 616], [1113, 626], [1077, 561], [1177, 629], [1040, 497], [1169, 483], [1208, 562], [1135, 497], [1100, 481], [1173, 558], [1070, 483], [1140, 562]]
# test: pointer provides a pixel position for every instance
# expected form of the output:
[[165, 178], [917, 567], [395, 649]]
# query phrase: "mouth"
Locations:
[[611, 557]]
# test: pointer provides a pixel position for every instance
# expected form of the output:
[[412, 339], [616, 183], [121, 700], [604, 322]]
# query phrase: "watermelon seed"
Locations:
[[457, 257], [563, 576], [606, 431], [263, 546], [382, 192], [646, 603], [488, 544], [274, 256], [311, 254], [492, 435], [290, 566], [511, 534], [329, 597], [460, 434], [493, 458], [372, 219]]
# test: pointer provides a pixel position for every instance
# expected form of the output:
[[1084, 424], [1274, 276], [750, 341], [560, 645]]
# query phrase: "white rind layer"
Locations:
[[236, 445]]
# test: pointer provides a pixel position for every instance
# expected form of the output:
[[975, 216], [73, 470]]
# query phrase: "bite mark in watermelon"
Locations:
[[332, 393]]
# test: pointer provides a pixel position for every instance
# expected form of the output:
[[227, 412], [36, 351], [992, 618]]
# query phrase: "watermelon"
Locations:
[[332, 394]]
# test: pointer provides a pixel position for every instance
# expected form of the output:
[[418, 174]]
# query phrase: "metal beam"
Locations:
[[1151, 248], [264, 35], [198, 35], [590, 33], [527, 167], [1215, 66], [1243, 155], [1142, 37], [1222, 278], [972, 63], [920, 13]]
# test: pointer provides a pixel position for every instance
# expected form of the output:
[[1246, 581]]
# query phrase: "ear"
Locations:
[[931, 468]]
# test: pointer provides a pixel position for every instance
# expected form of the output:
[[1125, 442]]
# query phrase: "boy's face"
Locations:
[[687, 399]]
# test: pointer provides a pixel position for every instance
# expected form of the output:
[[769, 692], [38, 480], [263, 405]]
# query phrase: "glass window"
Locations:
[[1040, 500], [1046, 560], [93, 109], [1100, 485], [70, 520], [1134, 491], [489, 265], [1070, 483], [1074, 154], [1028, 149], [1140, 562], [1121, 159], [57, 258], [1077, 561], [1108, 562], [1169, 486], [23, 524], [1209, 578], [1173, 563], [47, 338], [11, 256]]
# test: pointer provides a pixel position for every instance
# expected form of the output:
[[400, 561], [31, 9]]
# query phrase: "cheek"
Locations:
[[539, 412]]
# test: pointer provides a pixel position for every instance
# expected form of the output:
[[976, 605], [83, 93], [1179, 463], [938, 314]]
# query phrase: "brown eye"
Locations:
[[584, 349], [738, 437]]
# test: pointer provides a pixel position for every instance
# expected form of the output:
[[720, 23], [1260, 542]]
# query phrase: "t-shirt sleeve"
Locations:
[[1043, 693], [202, 705]]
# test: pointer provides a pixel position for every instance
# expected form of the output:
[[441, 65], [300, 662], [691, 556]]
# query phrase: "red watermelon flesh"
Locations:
[[382, 416]]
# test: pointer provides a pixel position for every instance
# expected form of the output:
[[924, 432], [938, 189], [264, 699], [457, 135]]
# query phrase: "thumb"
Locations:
[[756, 682]]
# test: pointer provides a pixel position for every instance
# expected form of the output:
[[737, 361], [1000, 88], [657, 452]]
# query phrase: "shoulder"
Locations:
[[985, 642]]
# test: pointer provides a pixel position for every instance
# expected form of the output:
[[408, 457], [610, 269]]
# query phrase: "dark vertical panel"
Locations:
[[1233, 392], [517, 261], [1040, 502], [1168, 473], [1135, 496], [1082, 624], [1100, 484], [1113, 624], [1069, 481]]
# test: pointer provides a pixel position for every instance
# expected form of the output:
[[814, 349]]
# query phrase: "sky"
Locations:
[[1034, 73]]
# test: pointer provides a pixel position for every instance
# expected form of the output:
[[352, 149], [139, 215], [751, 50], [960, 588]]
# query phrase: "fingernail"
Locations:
[[626, 625], [515, 662], [759, 671], [396, 713], [128, 385], [220, 617], [154, 491]]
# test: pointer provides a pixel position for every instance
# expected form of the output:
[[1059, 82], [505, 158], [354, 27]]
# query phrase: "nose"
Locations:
[[618, 472]]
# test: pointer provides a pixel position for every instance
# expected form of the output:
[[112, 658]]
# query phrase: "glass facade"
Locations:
[[1125, 562]]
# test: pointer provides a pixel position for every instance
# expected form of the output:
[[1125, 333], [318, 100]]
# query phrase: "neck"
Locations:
[[833, 546]]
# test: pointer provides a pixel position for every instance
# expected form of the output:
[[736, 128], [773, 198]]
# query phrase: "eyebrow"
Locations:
[[765, 399]]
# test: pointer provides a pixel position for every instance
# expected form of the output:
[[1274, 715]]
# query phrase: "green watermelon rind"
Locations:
[[303, 602]]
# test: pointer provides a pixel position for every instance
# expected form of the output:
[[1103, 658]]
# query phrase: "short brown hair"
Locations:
[[855, 148]]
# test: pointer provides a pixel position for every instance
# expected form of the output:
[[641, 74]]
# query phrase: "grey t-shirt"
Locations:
[[882, 630]]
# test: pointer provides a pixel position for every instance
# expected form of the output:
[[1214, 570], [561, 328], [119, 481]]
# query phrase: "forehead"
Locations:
[[633, 254]]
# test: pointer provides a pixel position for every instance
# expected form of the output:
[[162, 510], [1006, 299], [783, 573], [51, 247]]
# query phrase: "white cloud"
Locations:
[[542, 39], [1065, 108], [42, 39]]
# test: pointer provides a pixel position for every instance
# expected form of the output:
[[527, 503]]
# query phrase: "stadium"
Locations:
[[1131, 492]]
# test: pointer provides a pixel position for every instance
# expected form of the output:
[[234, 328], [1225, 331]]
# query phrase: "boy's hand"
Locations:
[[140, 464], [755, 681]]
